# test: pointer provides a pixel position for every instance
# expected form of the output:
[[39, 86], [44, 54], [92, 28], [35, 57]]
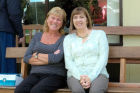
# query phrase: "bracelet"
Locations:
[[36, 56]]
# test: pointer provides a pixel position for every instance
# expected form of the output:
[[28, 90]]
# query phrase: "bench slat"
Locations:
[[123, 90], [15, 52], [124, 52], [128, 61], [114, 52], [124, 85], [119, 30]]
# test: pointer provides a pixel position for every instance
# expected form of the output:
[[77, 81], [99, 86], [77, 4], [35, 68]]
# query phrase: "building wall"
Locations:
[[131, 17]]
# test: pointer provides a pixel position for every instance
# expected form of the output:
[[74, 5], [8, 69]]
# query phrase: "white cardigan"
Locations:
[[88, 58]]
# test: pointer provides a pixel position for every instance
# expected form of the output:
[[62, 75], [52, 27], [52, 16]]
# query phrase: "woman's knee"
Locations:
[[34, 90], [75, 85], [41, 90], [19, 90], [76, 90], [22, 89], [99, 85], [95, 90]]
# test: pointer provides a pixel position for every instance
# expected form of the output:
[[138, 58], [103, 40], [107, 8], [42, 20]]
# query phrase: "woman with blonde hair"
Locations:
[[86, 55], [45, 55]]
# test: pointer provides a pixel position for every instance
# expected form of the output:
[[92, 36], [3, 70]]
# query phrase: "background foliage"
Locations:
[[29, 16]]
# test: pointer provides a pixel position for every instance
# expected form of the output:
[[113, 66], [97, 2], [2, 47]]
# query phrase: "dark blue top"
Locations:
[[10, 17], [55, 61]]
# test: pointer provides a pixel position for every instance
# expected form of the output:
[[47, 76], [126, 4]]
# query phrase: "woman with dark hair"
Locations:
[[86, 55]]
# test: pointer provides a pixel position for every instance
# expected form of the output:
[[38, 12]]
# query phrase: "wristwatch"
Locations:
[[36, 56]]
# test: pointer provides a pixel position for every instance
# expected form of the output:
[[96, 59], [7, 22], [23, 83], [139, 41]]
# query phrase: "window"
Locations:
[[34, 11], [103, 12], [98, 10], [114, 19]]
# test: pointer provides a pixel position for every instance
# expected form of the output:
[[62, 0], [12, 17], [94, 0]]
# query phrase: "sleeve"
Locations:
[[56, 58], [69, 62], [103, 56], [14, 12], [29, 51]]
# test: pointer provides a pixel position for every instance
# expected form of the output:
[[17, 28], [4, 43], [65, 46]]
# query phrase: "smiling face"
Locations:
[[54, 22], [80, 21]]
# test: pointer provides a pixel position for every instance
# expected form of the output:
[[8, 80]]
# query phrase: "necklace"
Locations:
[[82, 36]]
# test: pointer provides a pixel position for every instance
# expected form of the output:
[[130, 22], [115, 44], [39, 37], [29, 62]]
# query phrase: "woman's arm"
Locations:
[[51, 58], [103, 56], [36, 61], [29, 52], [69, 62], [42, 59], [58, 55]]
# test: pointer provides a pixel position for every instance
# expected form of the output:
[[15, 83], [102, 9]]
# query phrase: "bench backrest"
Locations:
[[124, 55], [30, 30], [15, 52]]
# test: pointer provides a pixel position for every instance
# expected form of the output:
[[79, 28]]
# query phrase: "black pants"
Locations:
[[41, 83]]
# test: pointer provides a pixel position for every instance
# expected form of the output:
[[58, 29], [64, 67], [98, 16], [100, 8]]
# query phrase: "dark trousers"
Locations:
[[41, 83], [7, 65]]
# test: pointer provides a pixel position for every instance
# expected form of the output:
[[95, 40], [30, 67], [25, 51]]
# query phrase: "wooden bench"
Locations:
[[117, 54]]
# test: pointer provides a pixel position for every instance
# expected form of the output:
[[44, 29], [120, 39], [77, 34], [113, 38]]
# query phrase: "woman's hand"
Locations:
[[33, 60], [40, 60], [21, 40], [34, 54], [85, 81], [57, 52]]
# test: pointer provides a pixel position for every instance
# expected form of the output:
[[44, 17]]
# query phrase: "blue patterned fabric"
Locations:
[[7, 65], [10, 25]]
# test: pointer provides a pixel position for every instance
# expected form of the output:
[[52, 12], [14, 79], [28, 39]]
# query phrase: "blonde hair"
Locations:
[[80, 10], [58, 12]]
